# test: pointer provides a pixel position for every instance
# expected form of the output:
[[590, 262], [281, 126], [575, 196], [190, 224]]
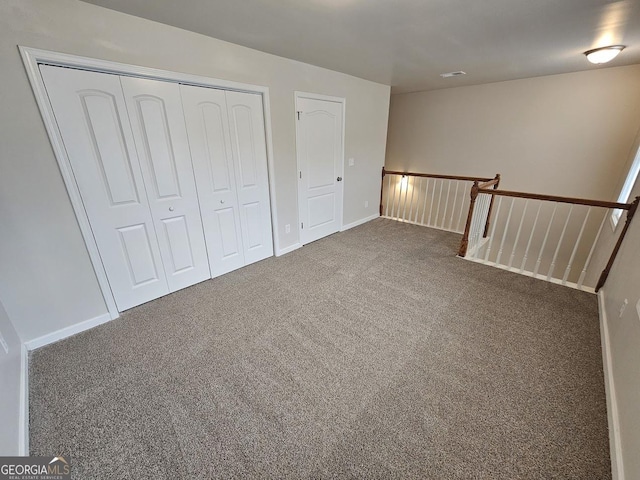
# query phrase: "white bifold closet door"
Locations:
[[133, 170], [228, 147], [159, 131], [161, 221]]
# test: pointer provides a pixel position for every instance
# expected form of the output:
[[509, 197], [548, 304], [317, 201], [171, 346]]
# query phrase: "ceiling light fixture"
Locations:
[[604, 54], [453, 74]]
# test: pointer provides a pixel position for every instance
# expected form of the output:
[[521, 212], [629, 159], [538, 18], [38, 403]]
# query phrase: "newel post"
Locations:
[[493, 198], [381, 188], [605, 273], [465, 238]]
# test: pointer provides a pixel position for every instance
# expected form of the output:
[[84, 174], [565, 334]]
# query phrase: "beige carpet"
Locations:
[[373, 353]]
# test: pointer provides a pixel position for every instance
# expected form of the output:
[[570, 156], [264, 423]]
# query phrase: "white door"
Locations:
[[92, 117], [228, 144], [249, 151], [159, 131], [205, 111], [320, 155]]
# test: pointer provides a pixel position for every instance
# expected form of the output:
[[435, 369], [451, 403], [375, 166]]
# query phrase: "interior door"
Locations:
[[92, 117], [157, 119], [249, 150], [320, 161], [205, 111]]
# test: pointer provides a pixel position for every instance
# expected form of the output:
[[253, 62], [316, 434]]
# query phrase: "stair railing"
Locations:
[[432, 200], [543, 236]]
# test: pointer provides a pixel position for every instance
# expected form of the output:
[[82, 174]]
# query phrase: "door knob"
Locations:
[[339, 179], [171, 209], [221, 201]]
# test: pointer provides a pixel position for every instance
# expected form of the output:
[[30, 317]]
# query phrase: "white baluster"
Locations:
[[388, 193], [404, 203], [504, 234], [424, 207], [593, 247], [462, 209], [474, 227], [415, 220], [413, 191], [481, 215], [393, 198], [433, 193], [544, 242], [533, 229], [515, 244], [446, 203], [575, 248], [555, 255], [453, 209], [483, 219], [493, 230], [435, 221]]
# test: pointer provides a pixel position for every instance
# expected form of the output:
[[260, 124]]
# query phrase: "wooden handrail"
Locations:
[[554, 198], [490, 186], [433, 175], [633, 207], [479, 188], [494, 182], [486, 182]]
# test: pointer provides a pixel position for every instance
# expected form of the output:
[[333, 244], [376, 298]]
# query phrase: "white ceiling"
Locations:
[[408, 43]]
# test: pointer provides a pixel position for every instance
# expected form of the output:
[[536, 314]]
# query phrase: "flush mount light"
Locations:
[[604, 54], [453, 74]]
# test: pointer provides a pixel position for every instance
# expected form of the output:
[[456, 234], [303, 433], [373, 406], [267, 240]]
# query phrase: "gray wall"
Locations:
[[9, 387], [48, 281], [624, 337], [562, 134]]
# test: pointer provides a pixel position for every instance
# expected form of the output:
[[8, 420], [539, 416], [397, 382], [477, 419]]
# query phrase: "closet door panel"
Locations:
[[206, 116], [91, 114], [159, 130], [248, 147]]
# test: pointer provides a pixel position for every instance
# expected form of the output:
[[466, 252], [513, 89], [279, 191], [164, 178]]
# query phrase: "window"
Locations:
[[625, 193]]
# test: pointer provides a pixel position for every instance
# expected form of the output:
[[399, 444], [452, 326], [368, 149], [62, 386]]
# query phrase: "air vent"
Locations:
[[453, 74]]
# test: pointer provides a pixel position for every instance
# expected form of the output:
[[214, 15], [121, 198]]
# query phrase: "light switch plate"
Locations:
[[352, 162]]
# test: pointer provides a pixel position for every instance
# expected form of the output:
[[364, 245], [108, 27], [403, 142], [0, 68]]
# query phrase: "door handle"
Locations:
[[339, 179], [221, 201], [171, 209]]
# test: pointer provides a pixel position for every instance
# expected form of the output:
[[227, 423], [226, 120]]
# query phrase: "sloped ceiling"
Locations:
[[408, 43]]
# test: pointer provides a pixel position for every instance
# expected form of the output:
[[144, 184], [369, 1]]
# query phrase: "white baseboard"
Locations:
[[23, 437], [529, 273], [615, 445], [359, 222], [23, 418], [285, 250], [397, 219], [67, 332]]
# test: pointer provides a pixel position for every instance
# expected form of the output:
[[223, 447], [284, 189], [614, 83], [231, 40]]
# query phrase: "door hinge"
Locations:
[[301, 174], [299, 112], [301, 224]]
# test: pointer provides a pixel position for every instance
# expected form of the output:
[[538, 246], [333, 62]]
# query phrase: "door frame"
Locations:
[[32, 57], [326, 98]]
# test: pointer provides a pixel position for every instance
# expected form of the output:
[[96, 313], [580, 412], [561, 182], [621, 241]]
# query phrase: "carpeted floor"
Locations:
[[373, 353]]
